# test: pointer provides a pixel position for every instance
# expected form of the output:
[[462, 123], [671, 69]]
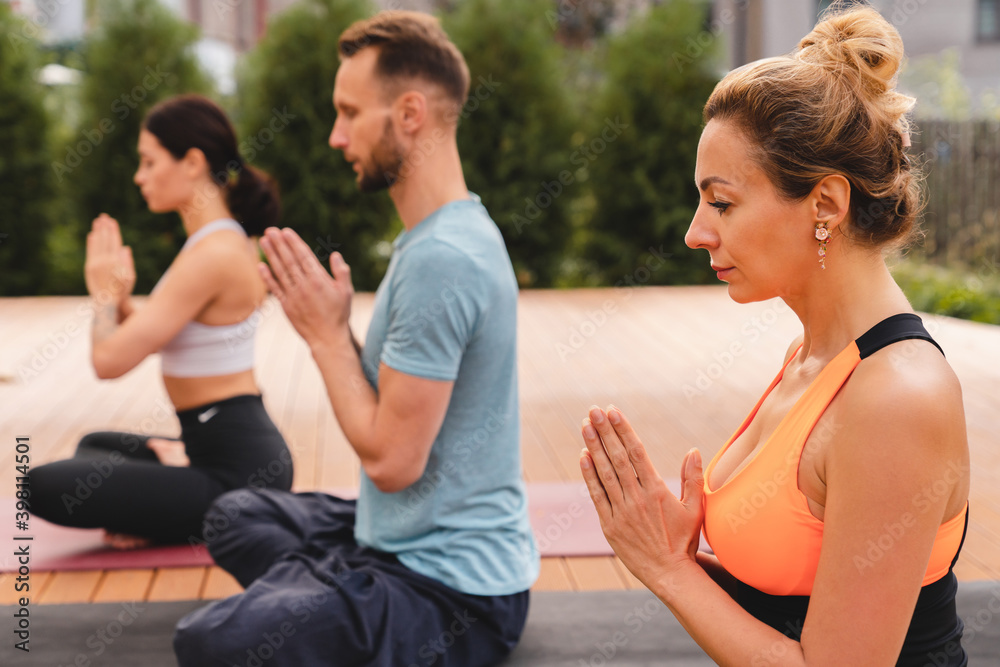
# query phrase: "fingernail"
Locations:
[[596, 416], [588, 431], [585, 461], [614, 416]]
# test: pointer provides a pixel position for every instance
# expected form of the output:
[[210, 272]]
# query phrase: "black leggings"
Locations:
[[115, 482]]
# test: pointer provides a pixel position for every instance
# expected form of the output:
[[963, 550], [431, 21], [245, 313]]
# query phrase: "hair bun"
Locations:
[[859, 38]]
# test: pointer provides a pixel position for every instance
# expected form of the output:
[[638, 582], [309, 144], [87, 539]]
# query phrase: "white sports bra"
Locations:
[[201, 350]]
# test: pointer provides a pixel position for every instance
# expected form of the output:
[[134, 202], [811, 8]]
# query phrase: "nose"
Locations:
[[338, 136], [701, 233]]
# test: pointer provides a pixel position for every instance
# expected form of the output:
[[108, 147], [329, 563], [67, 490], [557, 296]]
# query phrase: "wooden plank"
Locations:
[[553, 576], [124, 586], [68, 587], [219, 584], [630, 579], [36, 586], [177, 583], [595, 573]]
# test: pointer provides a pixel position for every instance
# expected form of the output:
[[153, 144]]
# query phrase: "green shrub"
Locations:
[[291, 73], [967, 294], [26, 187], [660, 72], [140, 54], [516, 129]]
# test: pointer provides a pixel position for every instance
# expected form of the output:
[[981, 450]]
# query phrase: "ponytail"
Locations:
[[252, 197]]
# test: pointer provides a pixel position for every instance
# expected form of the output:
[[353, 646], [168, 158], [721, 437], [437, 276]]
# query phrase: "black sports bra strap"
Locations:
[[965, 532], [904, 326]]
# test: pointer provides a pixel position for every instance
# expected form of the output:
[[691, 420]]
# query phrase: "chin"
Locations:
[[741, 294], [157, 207]]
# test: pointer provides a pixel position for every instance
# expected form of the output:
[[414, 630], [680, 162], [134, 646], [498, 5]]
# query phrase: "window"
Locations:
[[988, 21]]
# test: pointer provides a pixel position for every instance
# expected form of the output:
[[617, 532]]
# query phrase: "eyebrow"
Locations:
[[705, 182]]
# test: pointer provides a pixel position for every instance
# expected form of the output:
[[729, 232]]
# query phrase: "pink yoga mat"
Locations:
[[562, 517]]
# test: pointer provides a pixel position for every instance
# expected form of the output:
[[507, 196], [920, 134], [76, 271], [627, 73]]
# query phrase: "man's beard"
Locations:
[[386, 163]]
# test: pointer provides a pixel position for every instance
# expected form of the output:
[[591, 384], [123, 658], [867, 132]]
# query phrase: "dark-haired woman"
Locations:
[[837, 510], [201, 318]]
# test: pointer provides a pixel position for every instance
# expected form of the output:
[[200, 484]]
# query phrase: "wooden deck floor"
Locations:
[[685, 364]]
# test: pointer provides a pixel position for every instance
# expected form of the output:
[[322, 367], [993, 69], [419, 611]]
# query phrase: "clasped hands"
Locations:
[[317, 303], [108, 270], [653, 532]]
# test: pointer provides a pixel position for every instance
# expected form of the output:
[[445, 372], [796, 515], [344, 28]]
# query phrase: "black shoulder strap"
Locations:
[[905, 326], [962, 543]]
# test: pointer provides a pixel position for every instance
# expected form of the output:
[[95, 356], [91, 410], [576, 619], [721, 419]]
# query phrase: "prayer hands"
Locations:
[[109, 270], [648, 527], [317, 304]]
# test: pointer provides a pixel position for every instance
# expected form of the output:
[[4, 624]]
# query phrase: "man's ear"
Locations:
[[411, 111], [831, 200]]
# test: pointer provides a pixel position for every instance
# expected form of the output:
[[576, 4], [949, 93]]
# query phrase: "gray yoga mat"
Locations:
[[597, 629]]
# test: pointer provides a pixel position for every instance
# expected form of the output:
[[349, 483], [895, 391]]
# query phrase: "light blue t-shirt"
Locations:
[[447, 310]]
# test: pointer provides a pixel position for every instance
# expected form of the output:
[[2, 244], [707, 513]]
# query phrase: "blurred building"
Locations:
[[749, 29], [753, 29]]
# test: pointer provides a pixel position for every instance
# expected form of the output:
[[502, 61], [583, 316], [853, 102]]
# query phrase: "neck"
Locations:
[[436, 182], [838, 304], [208, 205]]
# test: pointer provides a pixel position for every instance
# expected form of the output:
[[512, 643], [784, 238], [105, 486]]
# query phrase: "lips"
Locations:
[[722, 272]]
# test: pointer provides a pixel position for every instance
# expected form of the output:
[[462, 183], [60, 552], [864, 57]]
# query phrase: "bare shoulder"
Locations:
[[218, 256], [910, 389], [225, 244]]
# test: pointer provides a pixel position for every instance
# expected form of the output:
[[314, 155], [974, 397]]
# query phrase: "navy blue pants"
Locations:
[[315, 597]]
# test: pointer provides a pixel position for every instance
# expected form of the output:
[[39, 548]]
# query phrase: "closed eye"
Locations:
[[722, 206]]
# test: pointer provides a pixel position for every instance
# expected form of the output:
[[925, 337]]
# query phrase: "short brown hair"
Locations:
[[411, 45], [830, 107]]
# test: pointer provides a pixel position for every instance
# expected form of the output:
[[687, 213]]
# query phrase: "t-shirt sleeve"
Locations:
[[434, 312]]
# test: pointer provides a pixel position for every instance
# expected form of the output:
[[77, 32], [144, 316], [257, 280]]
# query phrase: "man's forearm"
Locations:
[[354, 401]]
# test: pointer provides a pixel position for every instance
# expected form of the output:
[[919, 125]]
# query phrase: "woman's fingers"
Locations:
[[638, 458], [616, 452], [114, 231], [692, 480], [597, 493], [602, 464]]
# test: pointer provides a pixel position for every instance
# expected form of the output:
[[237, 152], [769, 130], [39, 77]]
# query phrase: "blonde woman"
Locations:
[[848, 559]]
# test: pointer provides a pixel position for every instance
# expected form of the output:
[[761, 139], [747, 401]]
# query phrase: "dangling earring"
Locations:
[[822, 235]]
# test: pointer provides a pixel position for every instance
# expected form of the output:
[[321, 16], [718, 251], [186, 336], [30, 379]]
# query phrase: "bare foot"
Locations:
[[170, 452], [123, 541]]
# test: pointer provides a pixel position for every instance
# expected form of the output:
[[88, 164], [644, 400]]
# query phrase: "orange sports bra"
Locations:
[[758, 522]]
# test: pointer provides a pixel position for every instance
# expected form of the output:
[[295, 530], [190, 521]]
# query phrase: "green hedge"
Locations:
[[641, 146], [970, 294], [516, 129], [26, 188], [286, 84], [141, 53]]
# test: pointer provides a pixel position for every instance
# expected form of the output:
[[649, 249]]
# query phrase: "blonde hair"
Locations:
[[830, 107], [411, 45]]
